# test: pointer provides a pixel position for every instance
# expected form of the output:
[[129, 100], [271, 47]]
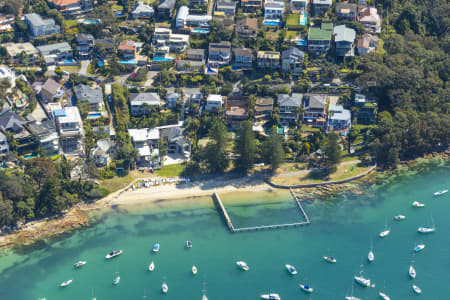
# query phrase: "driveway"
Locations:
[[83, 67]]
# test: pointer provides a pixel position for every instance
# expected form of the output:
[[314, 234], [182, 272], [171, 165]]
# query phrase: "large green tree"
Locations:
[[332, 153], [245, 147], [216, 151], [272, 150]]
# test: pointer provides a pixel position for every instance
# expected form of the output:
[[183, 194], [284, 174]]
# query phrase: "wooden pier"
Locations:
[[227, 218]]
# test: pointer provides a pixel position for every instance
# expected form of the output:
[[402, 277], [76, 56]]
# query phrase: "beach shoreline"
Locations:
[[78, 216]]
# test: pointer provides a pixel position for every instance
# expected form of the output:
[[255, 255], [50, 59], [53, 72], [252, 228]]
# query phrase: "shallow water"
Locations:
[[342, 227]]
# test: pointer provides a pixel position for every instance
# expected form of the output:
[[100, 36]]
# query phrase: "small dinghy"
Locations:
[[188, 244], [306, 288], [291, 269], [242, 265], [156, 248], [419, 247], [399, 217]]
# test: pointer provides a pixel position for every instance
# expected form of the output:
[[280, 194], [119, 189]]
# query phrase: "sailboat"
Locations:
[[194, 270], [386, 230], [271, 296], [117, 279], [419, 248], [371, 255], [412, 272], [427, 229], [441, 192], [352, 297], [361, 280], [416, 289], [204, 292], [151, 267], [383, 295]]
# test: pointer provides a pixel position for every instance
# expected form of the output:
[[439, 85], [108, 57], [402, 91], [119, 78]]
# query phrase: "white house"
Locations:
[[141, 102], [172, 99], [142, 10], [146, 142], [70, 127], [213, 102], [39, 26], [273, 10], [339, 119]]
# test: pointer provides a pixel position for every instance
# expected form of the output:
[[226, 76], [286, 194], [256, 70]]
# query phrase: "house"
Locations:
[[263, 110], [190, 66], [141, 103], [339, 119], [273, 10], [243, 58], [321, 6], [184, 18], [40, 27], [107, 45], [196, 54], [219, 54], [268, 59], [247, 27], [4, 146], [236, 112], [198, 3], [56, 53], [126, 49], [165, 9], [213, 102], [103, 152], [370, 19], [11, 123], [71, 7], [367, 43], [315, 110], [6, 23], [298, 5], [289, 107], [47, 135], [344, 39], [228, 7], [70, 125], [15, 51], [142, 10], [367, 113], [161, 35], [346, 11], [176, 142], [172, 100], [146, 142], [85, 45], [292, 60], [50, 91], [319, 39], [251, 6], [93, 97]]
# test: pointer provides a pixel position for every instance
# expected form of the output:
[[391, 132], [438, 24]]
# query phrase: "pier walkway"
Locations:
[[228, 222]]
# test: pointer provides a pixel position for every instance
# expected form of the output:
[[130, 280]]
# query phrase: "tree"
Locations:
[[216, 153], [272, 150], [40, 170], [332, 155], [246, 147]]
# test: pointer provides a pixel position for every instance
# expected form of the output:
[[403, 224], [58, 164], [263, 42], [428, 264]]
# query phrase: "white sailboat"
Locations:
[[242, 265], [361, 280], [66, 283], [164, 288], [351, 297], [399, 217], [386, 230], [418, 204], [416, 289], [151, 267], [412, 272], [427, 229], [306, 288], [419, 248], [441, 192], [194, 270], [204, 292], [271, 296], [291, 269], [384, 296], [371, 255]]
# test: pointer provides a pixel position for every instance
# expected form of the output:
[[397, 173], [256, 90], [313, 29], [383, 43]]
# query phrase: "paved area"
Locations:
[[83, 67]]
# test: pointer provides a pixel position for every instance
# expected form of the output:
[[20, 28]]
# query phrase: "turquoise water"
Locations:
[[341, 227]]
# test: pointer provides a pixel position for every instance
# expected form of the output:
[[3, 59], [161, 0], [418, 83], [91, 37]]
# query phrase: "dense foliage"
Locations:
[[43, 189]]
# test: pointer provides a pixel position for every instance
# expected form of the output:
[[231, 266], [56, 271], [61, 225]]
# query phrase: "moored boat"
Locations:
[[330, 259], [418, 204], [116, 280], [151, 267], [419, 247], [363, 281], [113, 254], [194, 270], [291, 269], [188, 244], [384, 296], [271, 296], [384, 233], [371, 256], [416, 289], [425, 229], [242, 265], [79, 264], [352, 298], [164, 288], [399, 217], [306, 288], [156, 247], [66, 283], [412, 272], [441, 192]]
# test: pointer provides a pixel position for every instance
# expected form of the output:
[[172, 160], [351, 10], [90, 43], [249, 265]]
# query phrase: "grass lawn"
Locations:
[[171, 170], [116, 7], [291, 34], [70, 23], [119, 182], [72, 69], [342, 172], [291, 167], [272, 35], [293, 19]]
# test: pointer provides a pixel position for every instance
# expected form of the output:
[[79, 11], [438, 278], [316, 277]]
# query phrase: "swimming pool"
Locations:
[[91, 21], [303, 18], [301, 43], [127, 62], [272, 23], [200, 30], [69, 61], [162, 59], [94, 115]]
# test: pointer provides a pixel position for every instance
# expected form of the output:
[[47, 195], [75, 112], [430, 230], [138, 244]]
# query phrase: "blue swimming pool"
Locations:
[[69, 61], [301, 43], [272, 23], [200, 30], [91, 21], [127, 62], [303, 20], [162, 59], [94, 115]]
